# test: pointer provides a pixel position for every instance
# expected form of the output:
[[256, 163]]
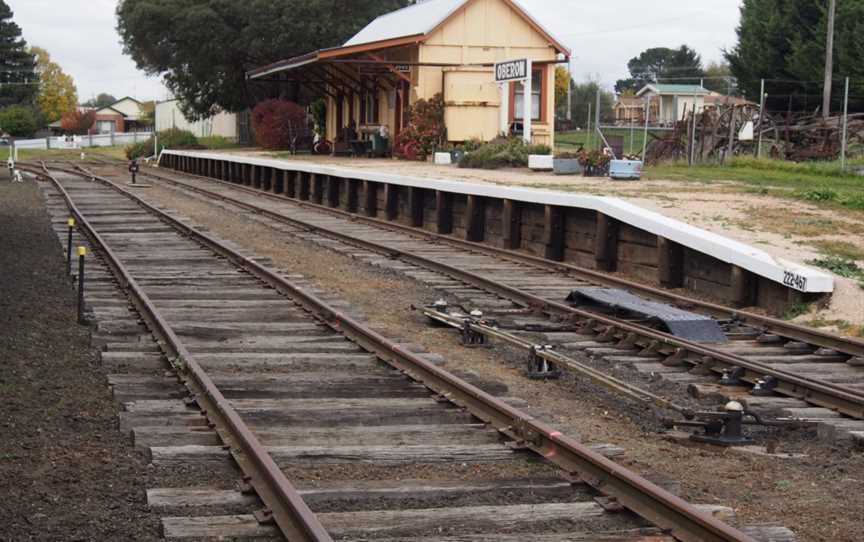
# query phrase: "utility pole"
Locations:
[[845, 126], [645, 134], [761, 118], [588, 128], [829, 61], [569, 93]]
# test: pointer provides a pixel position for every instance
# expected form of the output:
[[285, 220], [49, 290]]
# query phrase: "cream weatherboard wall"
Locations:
[[484, 31], [480, 32]]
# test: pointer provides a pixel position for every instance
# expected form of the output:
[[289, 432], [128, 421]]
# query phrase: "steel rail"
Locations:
[[284, 504], [825, 394], [655, 504], [848, 345], [464, 321]]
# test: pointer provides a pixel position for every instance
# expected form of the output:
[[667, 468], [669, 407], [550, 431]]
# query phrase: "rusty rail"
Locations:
[[826, 394], [648, 500], [284, 504], [848, 345]]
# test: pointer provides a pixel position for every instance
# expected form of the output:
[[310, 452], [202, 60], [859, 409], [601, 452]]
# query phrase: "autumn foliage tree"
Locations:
[[57, 93], [273, 122], [77, 121]]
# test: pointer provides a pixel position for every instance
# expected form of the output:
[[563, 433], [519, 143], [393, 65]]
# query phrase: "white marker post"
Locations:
[[505, 73]]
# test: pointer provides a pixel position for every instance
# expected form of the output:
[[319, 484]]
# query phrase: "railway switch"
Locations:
[[468, 336], [732, 377], [540, 368], [764, 387]]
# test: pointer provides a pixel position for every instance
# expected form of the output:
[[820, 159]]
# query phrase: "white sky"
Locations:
[[80, 35]]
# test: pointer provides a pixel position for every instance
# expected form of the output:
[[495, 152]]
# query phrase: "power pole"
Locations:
[[829, 61], [569, 93]]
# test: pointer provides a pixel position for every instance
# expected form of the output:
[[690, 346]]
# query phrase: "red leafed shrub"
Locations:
[[276, 121], [425, 130], [78, 122]]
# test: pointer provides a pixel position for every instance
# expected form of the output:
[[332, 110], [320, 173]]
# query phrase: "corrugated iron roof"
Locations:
[[663, 88], [423, 18], [420, 18]]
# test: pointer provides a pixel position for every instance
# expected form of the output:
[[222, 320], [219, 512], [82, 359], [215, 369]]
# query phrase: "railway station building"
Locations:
[[445, 47]]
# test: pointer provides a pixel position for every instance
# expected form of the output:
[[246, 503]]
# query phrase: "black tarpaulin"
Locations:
[[678, 322]]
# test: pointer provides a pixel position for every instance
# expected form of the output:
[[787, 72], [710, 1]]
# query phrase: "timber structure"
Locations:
[[261, 391], [594, 233]]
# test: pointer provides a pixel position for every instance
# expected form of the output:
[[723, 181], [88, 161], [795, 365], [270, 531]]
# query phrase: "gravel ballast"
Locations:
[[65, 470]]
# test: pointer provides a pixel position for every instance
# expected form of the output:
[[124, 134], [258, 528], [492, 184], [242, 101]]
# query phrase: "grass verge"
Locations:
[[822, 183]]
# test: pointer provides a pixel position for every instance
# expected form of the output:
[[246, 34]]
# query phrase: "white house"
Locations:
[[674, 100], [169, 115]]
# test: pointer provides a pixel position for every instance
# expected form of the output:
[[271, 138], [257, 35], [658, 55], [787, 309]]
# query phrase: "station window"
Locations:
[[536, 93]]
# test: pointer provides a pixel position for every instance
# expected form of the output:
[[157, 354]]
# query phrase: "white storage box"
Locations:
[[541, 162]]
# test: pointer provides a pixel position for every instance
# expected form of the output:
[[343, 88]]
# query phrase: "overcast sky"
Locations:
[[80, 35]]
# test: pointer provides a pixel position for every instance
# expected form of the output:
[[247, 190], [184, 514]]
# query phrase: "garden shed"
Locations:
[[436, 47]]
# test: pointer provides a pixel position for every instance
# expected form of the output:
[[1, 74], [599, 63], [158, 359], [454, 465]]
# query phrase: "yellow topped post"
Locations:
[[82, 251]]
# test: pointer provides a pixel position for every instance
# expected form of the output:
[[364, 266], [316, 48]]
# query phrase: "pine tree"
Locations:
[[783, 41], [18, 81]]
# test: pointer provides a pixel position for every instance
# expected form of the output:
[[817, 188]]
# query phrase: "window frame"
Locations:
[[542, 70]]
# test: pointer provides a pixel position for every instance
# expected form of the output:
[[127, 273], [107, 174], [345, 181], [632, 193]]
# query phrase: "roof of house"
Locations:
[[627, 101], [721, 99], [407, 25], [663, 88], [111, 106]]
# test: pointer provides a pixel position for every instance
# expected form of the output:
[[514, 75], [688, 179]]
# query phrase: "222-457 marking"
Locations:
[[794, 280]]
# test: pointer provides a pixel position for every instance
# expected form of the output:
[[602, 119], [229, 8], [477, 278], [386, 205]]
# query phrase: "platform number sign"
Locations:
[[507, 72], [794, 280]]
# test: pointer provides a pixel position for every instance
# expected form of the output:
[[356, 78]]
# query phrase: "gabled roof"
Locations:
[[408, 25], [425, 17], [628, 101], [111, 105], [416, 19], [106, 108], [663, 88]]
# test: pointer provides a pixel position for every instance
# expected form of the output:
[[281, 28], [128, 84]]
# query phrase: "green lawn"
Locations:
[[105, 153], [819, 182], [570, 141]]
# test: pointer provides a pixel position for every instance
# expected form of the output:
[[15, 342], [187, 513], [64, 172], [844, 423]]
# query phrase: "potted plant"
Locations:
[[567, 163], [596, 163]]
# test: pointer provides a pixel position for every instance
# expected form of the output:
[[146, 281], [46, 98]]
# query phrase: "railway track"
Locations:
[[220, 360], [819, 374]]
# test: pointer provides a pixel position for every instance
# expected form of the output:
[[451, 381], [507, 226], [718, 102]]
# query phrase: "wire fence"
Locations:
[[782, 119], [80, 142]]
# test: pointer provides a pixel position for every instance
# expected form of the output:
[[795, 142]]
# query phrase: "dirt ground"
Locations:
[[820, 496], [66, 473], [786, 229]]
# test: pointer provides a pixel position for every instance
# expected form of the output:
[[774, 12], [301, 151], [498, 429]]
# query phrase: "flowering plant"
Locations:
[[425, 130]]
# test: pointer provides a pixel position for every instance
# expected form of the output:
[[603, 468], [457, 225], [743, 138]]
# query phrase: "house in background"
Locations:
[[169, 115], [124, 115], [674, 100], [717, 101], [434, 47], [631, 110]]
